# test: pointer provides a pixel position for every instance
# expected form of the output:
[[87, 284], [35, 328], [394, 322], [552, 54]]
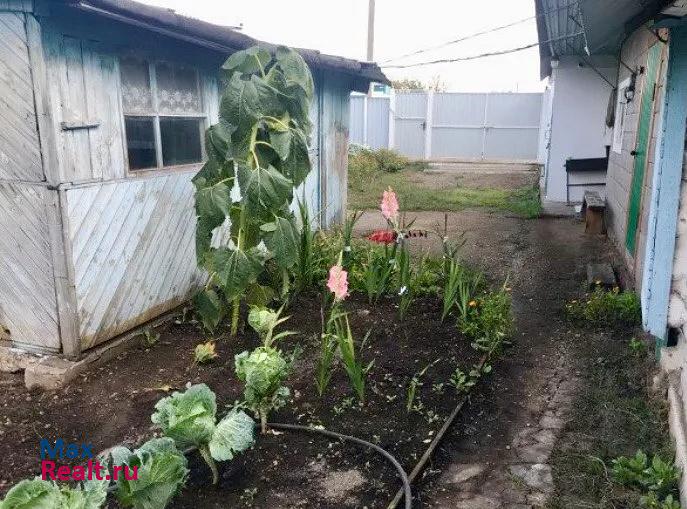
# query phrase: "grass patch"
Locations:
[[609, 308], [366, 182], [613, 415]]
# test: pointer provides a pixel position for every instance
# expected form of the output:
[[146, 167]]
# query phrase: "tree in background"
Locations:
[[435, 84]]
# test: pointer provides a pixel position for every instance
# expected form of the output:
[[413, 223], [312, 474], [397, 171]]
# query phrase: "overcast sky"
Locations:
[[402, 26]]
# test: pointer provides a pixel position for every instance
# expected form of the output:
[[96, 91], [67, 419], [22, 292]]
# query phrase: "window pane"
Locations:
[[140, 142], [177, 89], [181, 142], [136, 94]]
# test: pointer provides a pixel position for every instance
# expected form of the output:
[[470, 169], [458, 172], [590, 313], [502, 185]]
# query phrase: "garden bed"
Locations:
[[113, 404]]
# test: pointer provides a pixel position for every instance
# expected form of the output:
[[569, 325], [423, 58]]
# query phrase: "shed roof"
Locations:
[[216, 37], [588, 27]]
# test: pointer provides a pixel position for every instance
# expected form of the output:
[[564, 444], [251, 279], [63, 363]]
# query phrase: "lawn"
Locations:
[[368, 177]]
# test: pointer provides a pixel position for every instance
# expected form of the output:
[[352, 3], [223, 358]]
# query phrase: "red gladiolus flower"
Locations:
[[383, 236]]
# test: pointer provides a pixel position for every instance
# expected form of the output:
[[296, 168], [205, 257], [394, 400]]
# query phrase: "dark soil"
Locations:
[[113, 404]]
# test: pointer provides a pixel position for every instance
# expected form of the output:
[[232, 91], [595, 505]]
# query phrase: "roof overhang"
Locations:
[[589, 27], [217, 38]]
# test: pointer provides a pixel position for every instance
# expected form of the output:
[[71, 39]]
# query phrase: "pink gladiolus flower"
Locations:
[[338, 282], [389, 205]]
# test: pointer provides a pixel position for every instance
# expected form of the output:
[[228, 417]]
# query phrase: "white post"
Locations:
[[428, 124], [365, 134], [392, 119]]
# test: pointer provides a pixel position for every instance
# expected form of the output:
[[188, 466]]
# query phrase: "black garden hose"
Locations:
[[401, 473]]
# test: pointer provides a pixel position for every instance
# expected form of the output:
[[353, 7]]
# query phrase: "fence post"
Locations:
[[428, 124], [484, 125], [392, 119]]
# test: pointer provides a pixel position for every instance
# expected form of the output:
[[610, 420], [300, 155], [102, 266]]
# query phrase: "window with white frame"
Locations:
[[619, 121], [163, 114]]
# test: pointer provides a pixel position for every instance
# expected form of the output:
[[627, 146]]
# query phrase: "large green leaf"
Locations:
[[204, 228], [264, 188], [209, 307], [214, 200], [281, 238], [233, 434], [218, 141], [240, 107], [295, 70], [248, 61], [235, 269], [297, 164]]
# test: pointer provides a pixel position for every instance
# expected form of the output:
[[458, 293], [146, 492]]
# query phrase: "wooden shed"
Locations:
[[102, 111]]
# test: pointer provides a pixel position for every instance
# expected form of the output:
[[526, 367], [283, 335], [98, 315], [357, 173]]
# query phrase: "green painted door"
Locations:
[[642, 145]]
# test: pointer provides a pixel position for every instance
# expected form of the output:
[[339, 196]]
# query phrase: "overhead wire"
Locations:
[[480, 33], [481, 55]]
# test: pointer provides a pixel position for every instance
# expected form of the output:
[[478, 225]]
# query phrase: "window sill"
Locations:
[[166, 170]]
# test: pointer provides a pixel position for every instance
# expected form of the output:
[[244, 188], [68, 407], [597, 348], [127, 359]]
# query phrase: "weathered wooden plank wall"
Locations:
[[16, 5], [133, 244], [28, 310], [87, 112], [20, 156], [27, 292], [335, 104]]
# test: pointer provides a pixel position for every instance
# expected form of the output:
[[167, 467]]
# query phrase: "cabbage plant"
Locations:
[[161, 472], [257, 156], [264, 321], [263, 371], [39, 494], [189, 418]]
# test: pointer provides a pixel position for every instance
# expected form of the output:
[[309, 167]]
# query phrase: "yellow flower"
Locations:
[[472, 303]]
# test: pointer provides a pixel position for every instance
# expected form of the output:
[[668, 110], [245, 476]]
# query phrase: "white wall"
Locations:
[[578, 120]]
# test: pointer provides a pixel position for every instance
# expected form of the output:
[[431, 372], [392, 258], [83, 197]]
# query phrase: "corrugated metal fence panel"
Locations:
[[457, 124], [463, 125], [28, 306], [20, 155], [410, 117], [378, 122], [133, 245], [512, 126]]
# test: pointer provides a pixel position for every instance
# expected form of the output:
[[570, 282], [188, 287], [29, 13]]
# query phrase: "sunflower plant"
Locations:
[[257, 155]]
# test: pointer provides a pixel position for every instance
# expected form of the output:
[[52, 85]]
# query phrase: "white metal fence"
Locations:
[[429, 125]]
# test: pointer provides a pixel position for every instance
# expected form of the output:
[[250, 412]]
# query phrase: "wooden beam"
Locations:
[[665, 193]]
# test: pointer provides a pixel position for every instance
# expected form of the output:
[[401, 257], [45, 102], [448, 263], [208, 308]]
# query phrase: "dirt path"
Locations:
[[498, 456]]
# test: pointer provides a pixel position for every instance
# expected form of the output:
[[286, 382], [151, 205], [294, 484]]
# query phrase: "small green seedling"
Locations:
[[204, 352], [150, 337], [264, 321], [637, 347]]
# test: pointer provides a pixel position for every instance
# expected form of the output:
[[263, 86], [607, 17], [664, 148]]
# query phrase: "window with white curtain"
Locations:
[[163, 114]]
